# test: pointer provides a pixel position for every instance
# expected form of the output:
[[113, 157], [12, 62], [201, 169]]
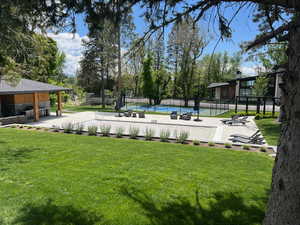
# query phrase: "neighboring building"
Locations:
[[244, 87], [28, 96]]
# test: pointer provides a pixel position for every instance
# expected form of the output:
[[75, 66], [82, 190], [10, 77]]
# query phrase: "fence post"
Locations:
[[258, 105], [273, 109], [247, 104], [236, 103]]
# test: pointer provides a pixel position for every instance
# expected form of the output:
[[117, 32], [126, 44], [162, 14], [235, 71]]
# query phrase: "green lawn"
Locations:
[[64, 179], [84, 108], [270, 129]]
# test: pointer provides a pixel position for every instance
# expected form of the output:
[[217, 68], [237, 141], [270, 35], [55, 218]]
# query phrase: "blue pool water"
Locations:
[[169, 109]]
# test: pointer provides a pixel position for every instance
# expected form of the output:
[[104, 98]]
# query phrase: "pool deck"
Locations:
[[209, 129]]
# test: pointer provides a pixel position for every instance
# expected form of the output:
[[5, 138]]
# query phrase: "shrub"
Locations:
[[105, 130], [228, 145], [164, 135], [68, 127], [181, 137], [92, 130], [256, 115], [246, 147], [79, 128], [149, 134], [134, 132], [119, 132], [211, 144], [263, 149], [196, 142]]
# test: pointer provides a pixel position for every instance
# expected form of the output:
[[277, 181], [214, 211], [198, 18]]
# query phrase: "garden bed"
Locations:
[[229, 146]]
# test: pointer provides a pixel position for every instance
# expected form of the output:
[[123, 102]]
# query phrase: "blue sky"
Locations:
[[243, 30]]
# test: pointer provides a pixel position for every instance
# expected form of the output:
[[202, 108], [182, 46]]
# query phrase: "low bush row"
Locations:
[[92, 130], [258, 116]]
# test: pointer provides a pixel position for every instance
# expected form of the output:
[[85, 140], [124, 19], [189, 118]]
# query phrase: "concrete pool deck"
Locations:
[[209, 129]]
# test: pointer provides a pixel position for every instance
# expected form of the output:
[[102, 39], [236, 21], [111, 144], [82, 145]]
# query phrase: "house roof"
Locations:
[[214, 85], [28, 86]]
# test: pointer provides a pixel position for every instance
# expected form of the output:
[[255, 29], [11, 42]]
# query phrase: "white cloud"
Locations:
[[71, 45], [248, 70]]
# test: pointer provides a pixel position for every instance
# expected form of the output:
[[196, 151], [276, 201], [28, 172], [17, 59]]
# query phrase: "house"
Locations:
[[27, 99], [243, 87]]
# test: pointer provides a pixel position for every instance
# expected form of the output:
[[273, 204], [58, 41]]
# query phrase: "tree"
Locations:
[[147, 79], [280, 20], [186, 45], [45, 62], [134, 67], [261, 86], [99, 59], [161, 79]]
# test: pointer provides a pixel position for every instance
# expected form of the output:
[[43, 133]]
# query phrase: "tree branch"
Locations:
[[268, 36]]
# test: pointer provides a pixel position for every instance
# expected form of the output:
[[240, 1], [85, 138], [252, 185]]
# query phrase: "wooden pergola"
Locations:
[[36, 108], [28, 92]]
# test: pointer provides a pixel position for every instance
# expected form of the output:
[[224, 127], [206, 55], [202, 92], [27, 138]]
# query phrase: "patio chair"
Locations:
[[254, 140], [235, 117], [174, 115], [128, 113], [245, 136], [242, 120], [187, 116], [142, 114]]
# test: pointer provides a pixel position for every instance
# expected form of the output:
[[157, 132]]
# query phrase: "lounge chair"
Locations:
[[254, 140], [235, 117], [128, 113], [242, 120], [142, 114], [186, 116], [174, 115], [245, 136]]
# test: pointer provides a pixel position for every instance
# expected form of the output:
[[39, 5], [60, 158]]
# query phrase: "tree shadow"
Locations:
[[18, 155], [222, 209], [52, 214], [14, 155]]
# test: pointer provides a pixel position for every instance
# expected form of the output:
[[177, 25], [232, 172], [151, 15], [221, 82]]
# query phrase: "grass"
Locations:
[[84, 108], [66, 179], [270, 129]]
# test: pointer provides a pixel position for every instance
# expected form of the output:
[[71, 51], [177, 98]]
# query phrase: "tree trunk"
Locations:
[[102, 90], [284, 202]]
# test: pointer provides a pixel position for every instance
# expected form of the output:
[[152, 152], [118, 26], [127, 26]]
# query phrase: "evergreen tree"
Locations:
[[147, 79]]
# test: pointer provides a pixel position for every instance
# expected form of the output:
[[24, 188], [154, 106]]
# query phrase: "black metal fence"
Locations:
[[257, 104], [207, 107]]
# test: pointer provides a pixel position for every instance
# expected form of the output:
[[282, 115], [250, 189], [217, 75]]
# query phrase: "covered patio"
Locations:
[[27, 100]]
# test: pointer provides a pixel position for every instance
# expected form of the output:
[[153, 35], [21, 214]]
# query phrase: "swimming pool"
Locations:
[[169, 109]]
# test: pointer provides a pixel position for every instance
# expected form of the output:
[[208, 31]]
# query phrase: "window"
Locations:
[[245, 92], [247, 83]]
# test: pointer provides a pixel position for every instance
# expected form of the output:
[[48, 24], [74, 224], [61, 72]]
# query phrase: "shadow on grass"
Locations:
[[52, 214], [18, 155], [221, 209]]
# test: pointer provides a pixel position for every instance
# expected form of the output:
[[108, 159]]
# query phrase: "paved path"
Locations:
[[209, 129]]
